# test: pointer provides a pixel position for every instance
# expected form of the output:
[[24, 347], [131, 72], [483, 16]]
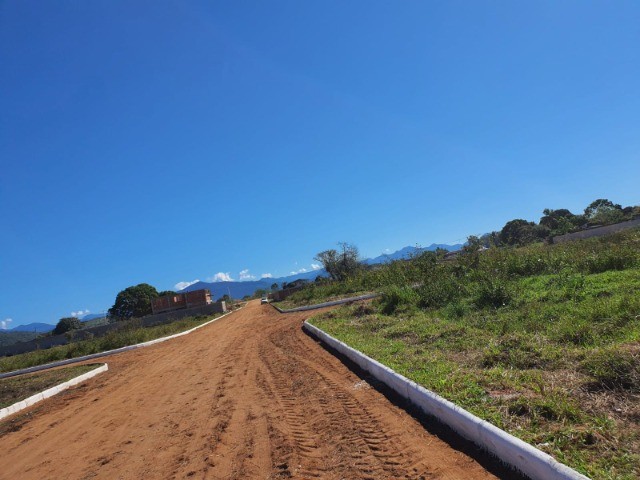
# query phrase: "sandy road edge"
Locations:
[[50, 392], [529, 460], [70, 361]]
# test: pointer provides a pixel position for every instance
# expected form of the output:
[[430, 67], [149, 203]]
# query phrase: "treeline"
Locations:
[[521, 232]]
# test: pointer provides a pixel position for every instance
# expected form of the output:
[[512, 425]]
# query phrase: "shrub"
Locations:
[[456, 309], [67, 324], [492, 292], [396, 298], [611, 259], [438, 291]]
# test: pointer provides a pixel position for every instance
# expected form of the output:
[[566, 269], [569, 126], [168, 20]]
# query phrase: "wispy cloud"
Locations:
[[245, 275], [313, 266], [221, 277], [4, 324], [266, 275], [80, 313], [183, 285]]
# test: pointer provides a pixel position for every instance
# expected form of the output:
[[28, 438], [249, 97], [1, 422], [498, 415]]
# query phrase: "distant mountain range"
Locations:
[[408, 252], [38, 327], [248, 287], [240, 289]]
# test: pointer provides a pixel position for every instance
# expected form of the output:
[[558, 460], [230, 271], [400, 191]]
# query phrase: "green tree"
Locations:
[[134, 301], [603, 211], [341, 263], [166, 292], [560, 221], [274, 286], [260, 292], [67, 324], [296, 283], [519, 232], [474, 244]]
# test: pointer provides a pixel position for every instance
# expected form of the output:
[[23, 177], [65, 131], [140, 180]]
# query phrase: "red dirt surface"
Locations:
[[249, 396]]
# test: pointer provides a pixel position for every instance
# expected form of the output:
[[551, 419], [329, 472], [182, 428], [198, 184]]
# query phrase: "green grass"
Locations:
[[543, 341], [16, 389], [133, 333]]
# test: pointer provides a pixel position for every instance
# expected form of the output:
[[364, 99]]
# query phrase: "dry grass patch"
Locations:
[[16, 389]]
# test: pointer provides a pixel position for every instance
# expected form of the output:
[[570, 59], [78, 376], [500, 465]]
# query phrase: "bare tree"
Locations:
[[341, 263]]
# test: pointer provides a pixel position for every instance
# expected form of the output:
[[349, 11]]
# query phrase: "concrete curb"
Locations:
[[50, 392], [522, 456], [70, 361], [328, 304]]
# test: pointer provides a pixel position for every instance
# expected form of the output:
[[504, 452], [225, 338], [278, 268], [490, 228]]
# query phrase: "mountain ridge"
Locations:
[[39, 327], [408, 252]]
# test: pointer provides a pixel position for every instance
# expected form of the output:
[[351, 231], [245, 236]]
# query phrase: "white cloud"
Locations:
[[80, 313], [4, 324], [245, 275], [183, 285], [221, 277], [266, 275], [314, 266]]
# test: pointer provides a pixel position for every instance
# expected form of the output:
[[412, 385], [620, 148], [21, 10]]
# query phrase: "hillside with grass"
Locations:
[[12, 337], [540, 340]]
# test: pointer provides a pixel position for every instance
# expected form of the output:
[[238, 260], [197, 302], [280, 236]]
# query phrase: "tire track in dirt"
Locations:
[[376, 450], [249, 396]]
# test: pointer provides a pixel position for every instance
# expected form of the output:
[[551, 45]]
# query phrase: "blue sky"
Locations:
[[164, 142]]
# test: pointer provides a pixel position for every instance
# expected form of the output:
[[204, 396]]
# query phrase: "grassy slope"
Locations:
[[15, 389], [128, 336], [10, 338], [541, 341]]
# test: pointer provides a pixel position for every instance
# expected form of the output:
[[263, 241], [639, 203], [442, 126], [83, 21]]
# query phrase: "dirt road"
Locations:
[[249, 396]]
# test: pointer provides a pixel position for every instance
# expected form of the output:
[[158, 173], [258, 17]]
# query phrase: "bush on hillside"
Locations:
[[66, 325]]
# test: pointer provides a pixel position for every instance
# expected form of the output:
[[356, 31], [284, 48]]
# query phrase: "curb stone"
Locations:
[[327, 304]]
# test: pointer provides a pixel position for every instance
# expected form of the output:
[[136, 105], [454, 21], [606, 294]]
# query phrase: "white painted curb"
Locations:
[[69, 361], [534, 463], [328, 304], [50, 392]]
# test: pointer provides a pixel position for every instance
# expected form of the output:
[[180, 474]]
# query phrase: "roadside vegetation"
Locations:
[[541, 340], [16, 389], [130, 334]]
